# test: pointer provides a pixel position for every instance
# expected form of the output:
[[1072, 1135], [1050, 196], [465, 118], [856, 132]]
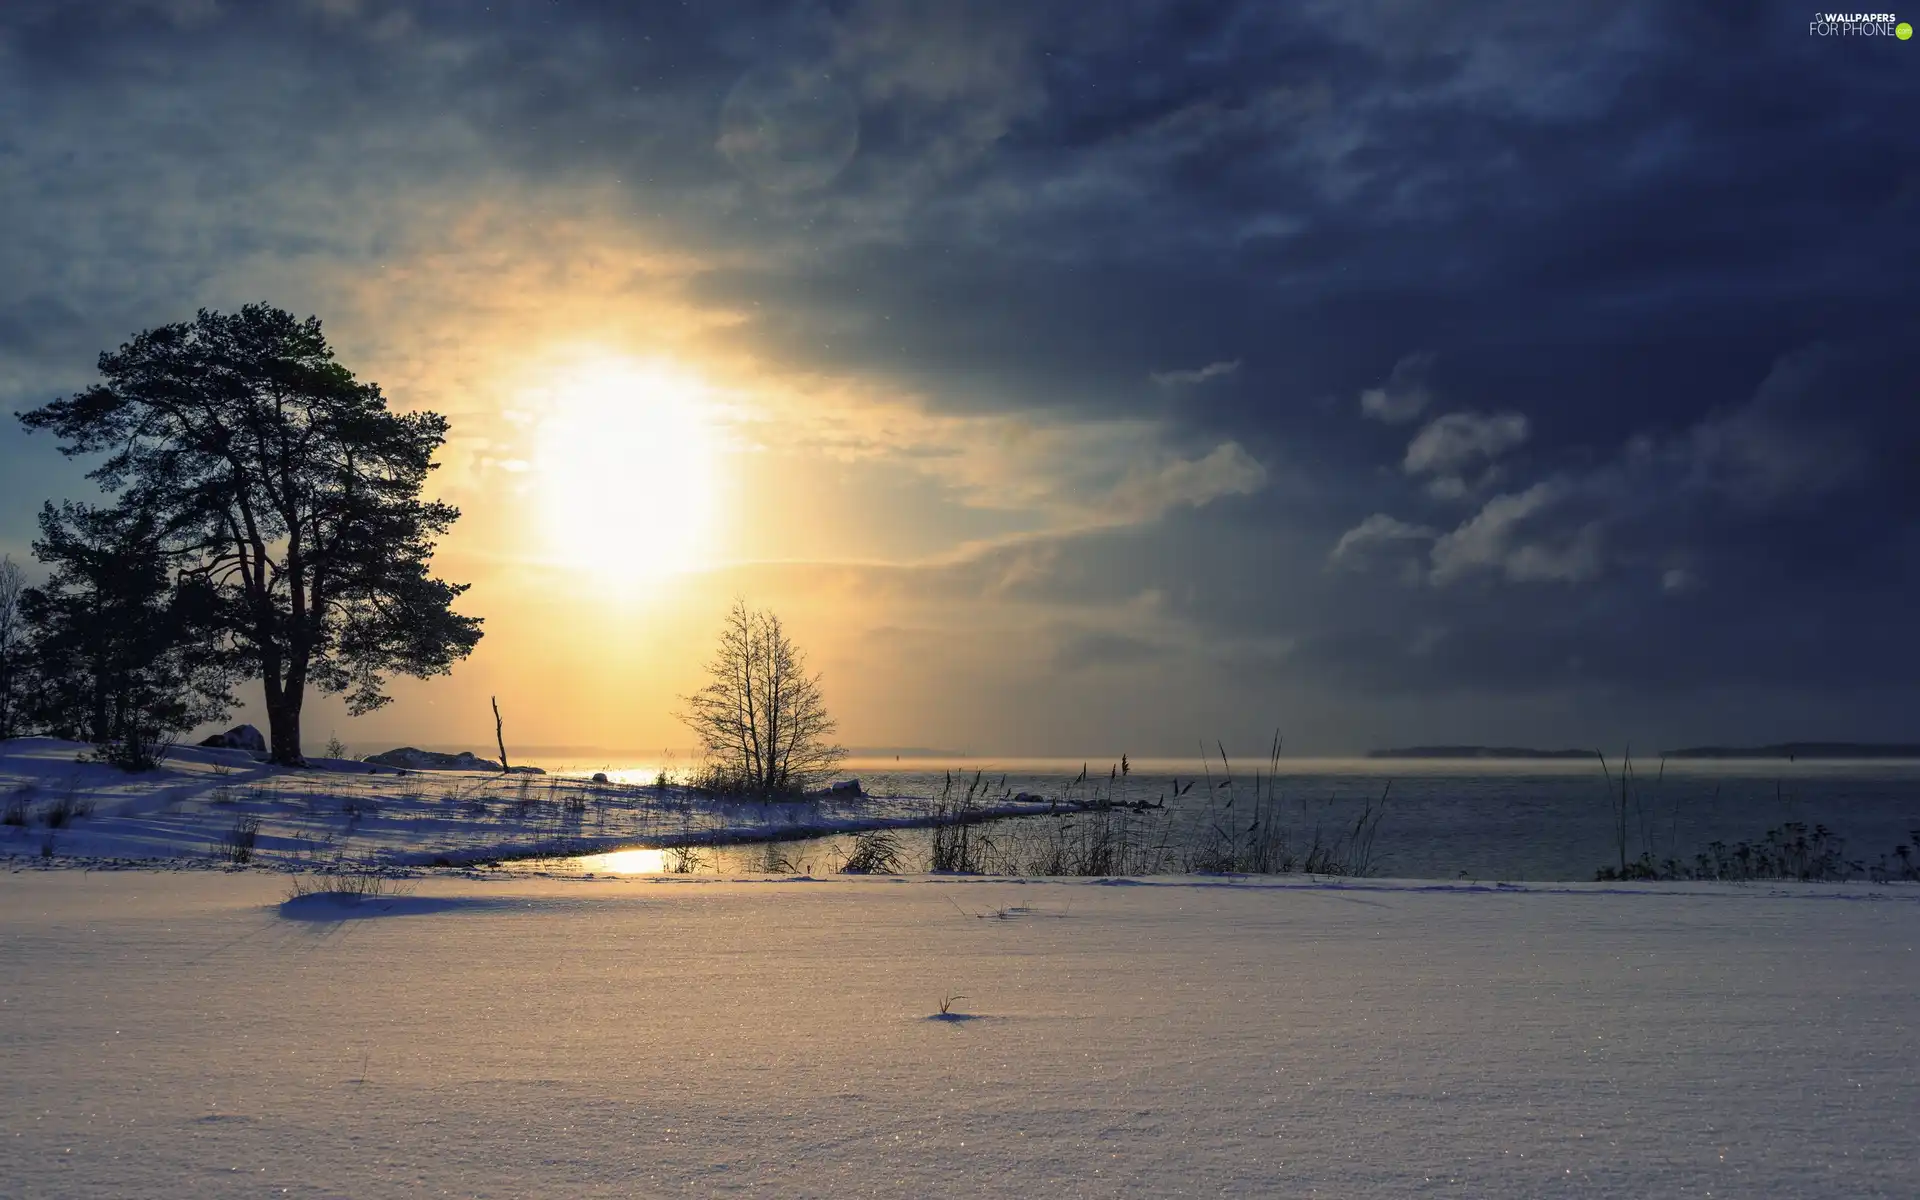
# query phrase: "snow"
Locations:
[[211, 1032], [196, 1034], [338, 810]]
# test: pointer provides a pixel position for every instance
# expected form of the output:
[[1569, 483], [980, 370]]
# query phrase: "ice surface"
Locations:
[[190, 1034]]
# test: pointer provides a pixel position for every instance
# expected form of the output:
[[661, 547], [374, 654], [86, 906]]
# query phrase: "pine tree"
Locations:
[[289, 490], [122, 656]]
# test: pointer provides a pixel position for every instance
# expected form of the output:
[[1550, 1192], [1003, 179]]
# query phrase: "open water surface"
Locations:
[[1443, 819]]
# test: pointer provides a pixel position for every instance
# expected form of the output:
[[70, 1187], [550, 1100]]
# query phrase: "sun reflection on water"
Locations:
[[626, 862]]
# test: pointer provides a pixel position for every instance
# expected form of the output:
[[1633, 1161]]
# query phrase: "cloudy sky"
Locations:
[[1074, 378]]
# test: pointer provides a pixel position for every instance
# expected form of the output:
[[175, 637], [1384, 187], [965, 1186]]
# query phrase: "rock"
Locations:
[[845, 787], [599, 777], [410, 758], [433, 760], [240, 737]]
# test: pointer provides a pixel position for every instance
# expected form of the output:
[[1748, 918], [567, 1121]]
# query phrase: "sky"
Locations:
[[1072, 379]]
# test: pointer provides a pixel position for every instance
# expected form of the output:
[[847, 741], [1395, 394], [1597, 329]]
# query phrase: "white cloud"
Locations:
[[1051, 477], [1507, 536], [1448, 446], [1197, 375], [1357, 546], [1227, 470], [1779, 450], [1404, 395]]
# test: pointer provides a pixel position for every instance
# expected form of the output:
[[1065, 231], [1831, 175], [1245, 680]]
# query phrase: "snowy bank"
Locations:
[[203, 803]]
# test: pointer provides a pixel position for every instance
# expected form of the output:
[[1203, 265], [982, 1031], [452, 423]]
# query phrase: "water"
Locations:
[[1444, 819]]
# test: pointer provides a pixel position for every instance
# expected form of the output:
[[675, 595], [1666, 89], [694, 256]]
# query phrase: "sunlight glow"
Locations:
[[628, 469]]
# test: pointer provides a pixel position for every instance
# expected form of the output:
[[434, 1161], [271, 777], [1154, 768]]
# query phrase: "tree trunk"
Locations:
[[283, 719], [98, 732], [283, 732]]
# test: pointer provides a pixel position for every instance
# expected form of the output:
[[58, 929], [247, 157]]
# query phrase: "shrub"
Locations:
[[1792, 851], [685, 860]]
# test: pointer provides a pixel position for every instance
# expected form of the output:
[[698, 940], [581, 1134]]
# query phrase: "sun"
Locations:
[[628, 469]]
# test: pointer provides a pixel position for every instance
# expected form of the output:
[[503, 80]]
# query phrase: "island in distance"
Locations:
[[1479, 752]]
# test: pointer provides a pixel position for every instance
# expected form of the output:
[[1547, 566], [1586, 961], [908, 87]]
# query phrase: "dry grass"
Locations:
[[67, 808], [345, 880], [876, 852], [237, 846]]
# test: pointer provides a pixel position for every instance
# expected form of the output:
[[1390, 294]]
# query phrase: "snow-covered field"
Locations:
[[338, 811], [189, 1034], [207, 1033]]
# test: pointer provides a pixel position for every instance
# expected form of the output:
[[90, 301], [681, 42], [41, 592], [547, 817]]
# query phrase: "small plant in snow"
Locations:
[[346, 881], [65, 810], [523, 799], [237, 846]]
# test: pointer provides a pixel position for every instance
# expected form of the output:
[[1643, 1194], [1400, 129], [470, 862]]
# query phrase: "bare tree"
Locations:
[[761, 720], [500, 735], [13, 646]]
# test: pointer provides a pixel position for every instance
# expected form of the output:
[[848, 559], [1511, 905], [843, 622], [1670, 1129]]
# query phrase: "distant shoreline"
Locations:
[[1791, 750], [1782, 750]]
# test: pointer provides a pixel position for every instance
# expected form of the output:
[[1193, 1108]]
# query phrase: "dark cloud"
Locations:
[[1625, 289]]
